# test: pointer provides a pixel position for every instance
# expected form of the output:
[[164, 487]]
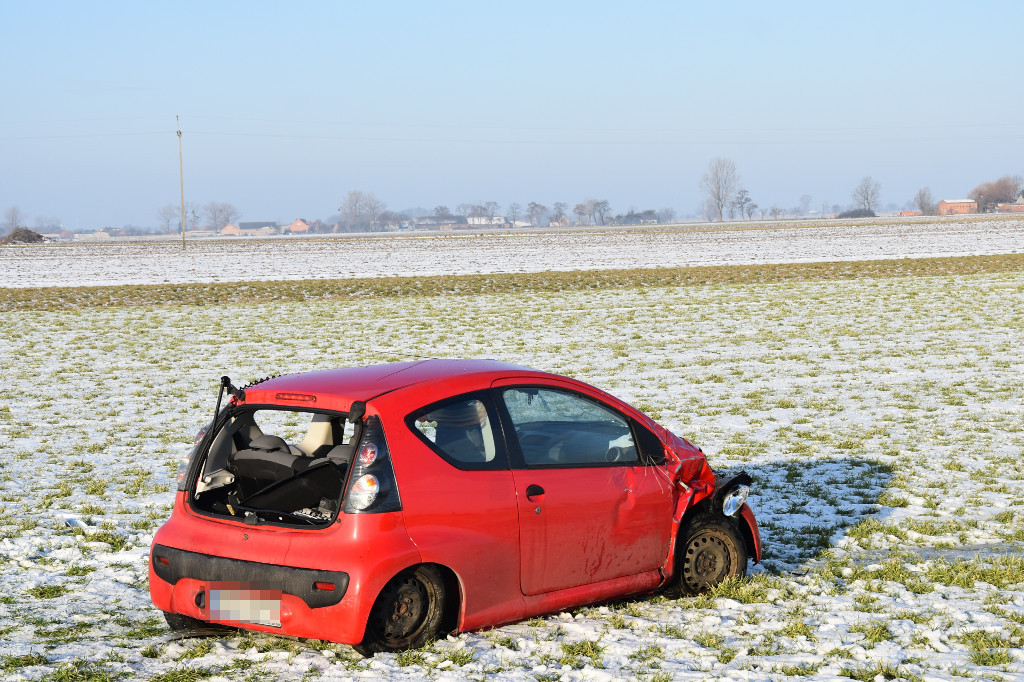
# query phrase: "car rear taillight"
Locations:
[[372, 487]]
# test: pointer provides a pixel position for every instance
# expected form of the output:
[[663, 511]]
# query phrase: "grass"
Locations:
[[849, 435], [70, 298], [48, 591]]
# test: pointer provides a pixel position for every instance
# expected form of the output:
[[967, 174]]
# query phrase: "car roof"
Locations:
[[366, 383]]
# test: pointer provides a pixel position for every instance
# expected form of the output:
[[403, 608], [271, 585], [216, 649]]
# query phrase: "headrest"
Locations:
[[461, 415], [268, 443]]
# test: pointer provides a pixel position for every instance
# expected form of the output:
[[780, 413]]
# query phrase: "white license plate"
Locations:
[[260, 607]]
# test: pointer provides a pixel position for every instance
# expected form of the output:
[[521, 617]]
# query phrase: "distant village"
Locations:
[[447, 223]]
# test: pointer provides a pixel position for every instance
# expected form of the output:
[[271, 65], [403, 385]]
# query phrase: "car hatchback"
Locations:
[[383, 506]]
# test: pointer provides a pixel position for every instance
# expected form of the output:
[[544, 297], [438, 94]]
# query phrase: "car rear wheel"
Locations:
[[180, 623], [712, 551], [407, 613]]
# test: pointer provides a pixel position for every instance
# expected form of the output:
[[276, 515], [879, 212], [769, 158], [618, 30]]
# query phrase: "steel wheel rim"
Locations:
[[708, 560], [401, 609]]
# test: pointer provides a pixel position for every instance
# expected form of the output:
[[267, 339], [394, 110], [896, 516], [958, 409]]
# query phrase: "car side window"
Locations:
[[559, 428], [461, 431]]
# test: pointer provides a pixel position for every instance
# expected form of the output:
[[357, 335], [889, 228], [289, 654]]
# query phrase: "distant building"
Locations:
[[957, 206], [300, 226], [444, 223], [1016, 207], [259, 225], [249, 230], [485, 222], [908, 213]]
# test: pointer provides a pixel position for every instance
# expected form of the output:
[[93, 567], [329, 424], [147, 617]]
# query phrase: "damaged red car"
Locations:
[[385, 506]]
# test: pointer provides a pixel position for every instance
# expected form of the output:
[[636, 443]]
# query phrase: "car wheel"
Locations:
[[176, 622], [712, 551], [407, 613]]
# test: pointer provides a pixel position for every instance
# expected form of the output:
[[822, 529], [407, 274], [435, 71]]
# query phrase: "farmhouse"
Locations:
[[444, 223], [249, 229], [1017, 206], [484, 221], [957, 206]]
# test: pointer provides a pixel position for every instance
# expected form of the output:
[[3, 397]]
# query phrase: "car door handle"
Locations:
[[534, 491]]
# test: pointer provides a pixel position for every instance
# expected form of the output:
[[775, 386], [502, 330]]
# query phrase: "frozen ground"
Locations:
[[467, 253], [881, 420]]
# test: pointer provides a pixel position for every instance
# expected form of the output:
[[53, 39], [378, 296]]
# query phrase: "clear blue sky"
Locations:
[[286, 107]]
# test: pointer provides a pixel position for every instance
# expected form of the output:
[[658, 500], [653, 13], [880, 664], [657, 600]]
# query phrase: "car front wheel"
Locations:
[[712, 551], [407, 613]]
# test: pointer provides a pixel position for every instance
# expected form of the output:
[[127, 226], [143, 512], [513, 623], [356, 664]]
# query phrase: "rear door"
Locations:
[[590, 509]]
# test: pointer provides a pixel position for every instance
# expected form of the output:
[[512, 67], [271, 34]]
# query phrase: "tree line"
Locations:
[[362, 211], [724, 196], [723, 192]]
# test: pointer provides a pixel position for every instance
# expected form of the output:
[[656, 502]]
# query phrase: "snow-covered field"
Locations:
[[475, 253], [881, 420]]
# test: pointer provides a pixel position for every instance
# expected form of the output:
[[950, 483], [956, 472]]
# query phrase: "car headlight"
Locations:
[[734, 499]]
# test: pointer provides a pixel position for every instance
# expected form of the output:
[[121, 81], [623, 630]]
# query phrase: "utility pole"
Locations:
[[181, 180]]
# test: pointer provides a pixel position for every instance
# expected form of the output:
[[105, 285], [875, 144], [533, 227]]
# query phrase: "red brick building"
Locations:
[[957, 206], [1016, 207]]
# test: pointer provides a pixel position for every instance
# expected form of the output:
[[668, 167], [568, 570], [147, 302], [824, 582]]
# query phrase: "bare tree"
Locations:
[[372, 208], [464, 209], [169, 215], [218, 214], [666, 215], [751, 207], [591, 206], [47, 223], [720, 183], [601, 208], [14, 218], [836, 208], [708, 210], [1003, 190], [558, 212], [867, 194], [514, 209], [193, 214], [824, 208], [359, 210], [491, 209], [924, 201], [535, 211], [776, 212], [741, 201], [441, 211], [763, 211], [580, 211], [805, 203]]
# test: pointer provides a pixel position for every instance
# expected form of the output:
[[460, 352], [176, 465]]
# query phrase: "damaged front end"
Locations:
[[714, 529]]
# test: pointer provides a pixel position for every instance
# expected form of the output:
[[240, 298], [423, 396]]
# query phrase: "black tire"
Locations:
[[177, 622], [407, 613], [711, 551], [189, 627]]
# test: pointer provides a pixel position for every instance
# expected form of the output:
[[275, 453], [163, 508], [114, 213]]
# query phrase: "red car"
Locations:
[[383, 506]]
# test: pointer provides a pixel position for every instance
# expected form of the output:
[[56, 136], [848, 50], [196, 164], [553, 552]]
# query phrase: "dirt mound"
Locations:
[[21, 235]]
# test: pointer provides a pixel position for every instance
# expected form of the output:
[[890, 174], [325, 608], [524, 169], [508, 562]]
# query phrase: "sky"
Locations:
[[284, 109]]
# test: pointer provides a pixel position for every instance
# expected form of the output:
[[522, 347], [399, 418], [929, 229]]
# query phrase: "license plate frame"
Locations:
[[244, 604]]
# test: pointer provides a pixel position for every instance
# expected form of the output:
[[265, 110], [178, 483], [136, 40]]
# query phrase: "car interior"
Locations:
[[253, 469]]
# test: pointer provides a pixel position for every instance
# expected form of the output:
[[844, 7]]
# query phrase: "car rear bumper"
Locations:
[[302, 602], [205, 557]]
